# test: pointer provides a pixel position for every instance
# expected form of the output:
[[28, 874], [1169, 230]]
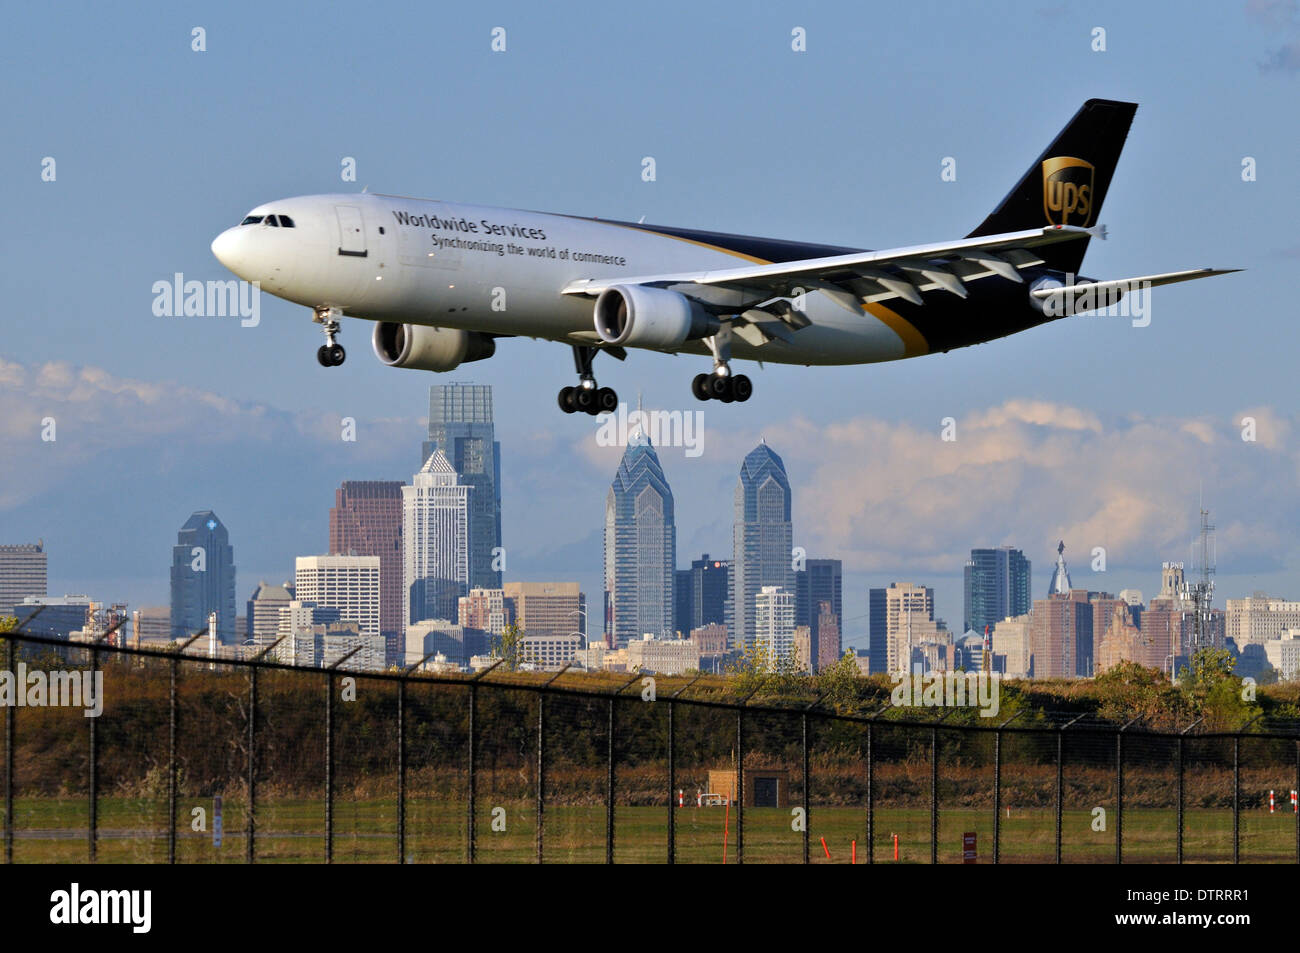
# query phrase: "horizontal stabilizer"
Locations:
[[1128, 284]]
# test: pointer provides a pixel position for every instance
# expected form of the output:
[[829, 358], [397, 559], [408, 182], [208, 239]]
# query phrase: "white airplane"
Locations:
[[443, 280]]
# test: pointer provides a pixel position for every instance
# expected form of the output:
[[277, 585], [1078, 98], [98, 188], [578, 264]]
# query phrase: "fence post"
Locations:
[[997, 793], [806, 825], [469, 822], [1060, 784], [740, 784], [541, 768], [871, 801], [329, 750], [171, 763], [173, 722], [329, 767], [9, 761], [1119, 791], [251, 783], [401, 770], [609, 769], [92, 831], [1181, 735], [934, 794], [609, 786], [672, 785], [1236, 798]]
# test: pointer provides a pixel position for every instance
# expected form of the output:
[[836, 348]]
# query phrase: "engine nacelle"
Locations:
[[650, 317], [425, 348]]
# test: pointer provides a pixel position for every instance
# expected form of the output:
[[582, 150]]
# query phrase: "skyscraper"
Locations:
[[435, 542], [763, 538], [460, 425], [203, 578], [907, 620], [997, 584], [774, 624], [262, 617], [640, 547], [23, 573], [1060, 635], [703, 594], [827, 647], [821, 580], [546, 608], [366, 520], [349, 584], [877, 631]]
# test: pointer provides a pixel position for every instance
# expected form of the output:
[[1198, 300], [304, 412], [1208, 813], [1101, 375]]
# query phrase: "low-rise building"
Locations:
[[663, 656]]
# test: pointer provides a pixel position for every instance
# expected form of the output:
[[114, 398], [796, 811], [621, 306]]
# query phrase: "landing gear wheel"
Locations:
[[720, 388], [332, 354], [741, 388], [606, 400], [584, 399], [566, 401], [700, 387]]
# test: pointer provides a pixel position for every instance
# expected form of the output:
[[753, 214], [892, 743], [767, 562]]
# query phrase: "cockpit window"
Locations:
[[272, 221], [251, 220], [286, 221]]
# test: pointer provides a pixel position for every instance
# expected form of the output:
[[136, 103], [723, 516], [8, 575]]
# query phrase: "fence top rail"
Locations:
[[728, 704]]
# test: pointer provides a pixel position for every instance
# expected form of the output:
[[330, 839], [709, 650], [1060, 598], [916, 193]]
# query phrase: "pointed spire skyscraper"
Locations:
[[1060, 575], [640, 547]]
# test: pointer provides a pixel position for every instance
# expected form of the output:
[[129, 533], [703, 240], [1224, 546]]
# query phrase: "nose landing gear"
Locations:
[[587, 397], [331, 353]]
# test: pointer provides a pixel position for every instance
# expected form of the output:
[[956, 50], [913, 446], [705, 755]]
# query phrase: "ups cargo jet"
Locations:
[[442, 281]]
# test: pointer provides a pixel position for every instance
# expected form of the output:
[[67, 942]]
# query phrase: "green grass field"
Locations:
[[53, 830]]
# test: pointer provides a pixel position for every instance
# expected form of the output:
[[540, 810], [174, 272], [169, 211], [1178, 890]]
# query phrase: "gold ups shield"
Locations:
[[1067, 191]]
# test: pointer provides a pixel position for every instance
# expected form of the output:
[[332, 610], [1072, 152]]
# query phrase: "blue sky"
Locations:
[[1101, 432]]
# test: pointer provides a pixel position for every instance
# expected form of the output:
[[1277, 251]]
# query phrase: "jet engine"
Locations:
[[426, 348], [640, 316]]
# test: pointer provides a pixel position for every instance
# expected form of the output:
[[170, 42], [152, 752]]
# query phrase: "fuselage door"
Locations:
[[352, 233]]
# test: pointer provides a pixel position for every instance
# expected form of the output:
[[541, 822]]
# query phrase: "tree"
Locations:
[[758, 666], [1215, 692], [839, 683], [510, 646], [1208, 667]]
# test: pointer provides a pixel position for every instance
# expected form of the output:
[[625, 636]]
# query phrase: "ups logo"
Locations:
[[1067, 191]]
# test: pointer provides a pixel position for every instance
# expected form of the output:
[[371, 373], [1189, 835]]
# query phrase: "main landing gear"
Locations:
[[721, 384], [725, 386], [586, 397], [331, 353]]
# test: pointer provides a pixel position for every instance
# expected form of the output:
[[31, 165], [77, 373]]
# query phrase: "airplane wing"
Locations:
[[862, 277]]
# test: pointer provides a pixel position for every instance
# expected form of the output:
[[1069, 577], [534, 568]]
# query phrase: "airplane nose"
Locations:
[[226, 249]]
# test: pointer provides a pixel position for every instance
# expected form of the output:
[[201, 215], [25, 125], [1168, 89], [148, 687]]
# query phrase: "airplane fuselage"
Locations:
[[501, 271]]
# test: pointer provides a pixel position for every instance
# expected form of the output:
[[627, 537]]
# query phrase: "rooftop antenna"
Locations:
[[1199, 593]]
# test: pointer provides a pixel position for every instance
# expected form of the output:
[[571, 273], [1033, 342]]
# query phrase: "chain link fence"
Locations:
[[217, 761]]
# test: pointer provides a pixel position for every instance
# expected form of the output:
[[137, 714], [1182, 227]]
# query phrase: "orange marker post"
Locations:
[[825, 848]]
